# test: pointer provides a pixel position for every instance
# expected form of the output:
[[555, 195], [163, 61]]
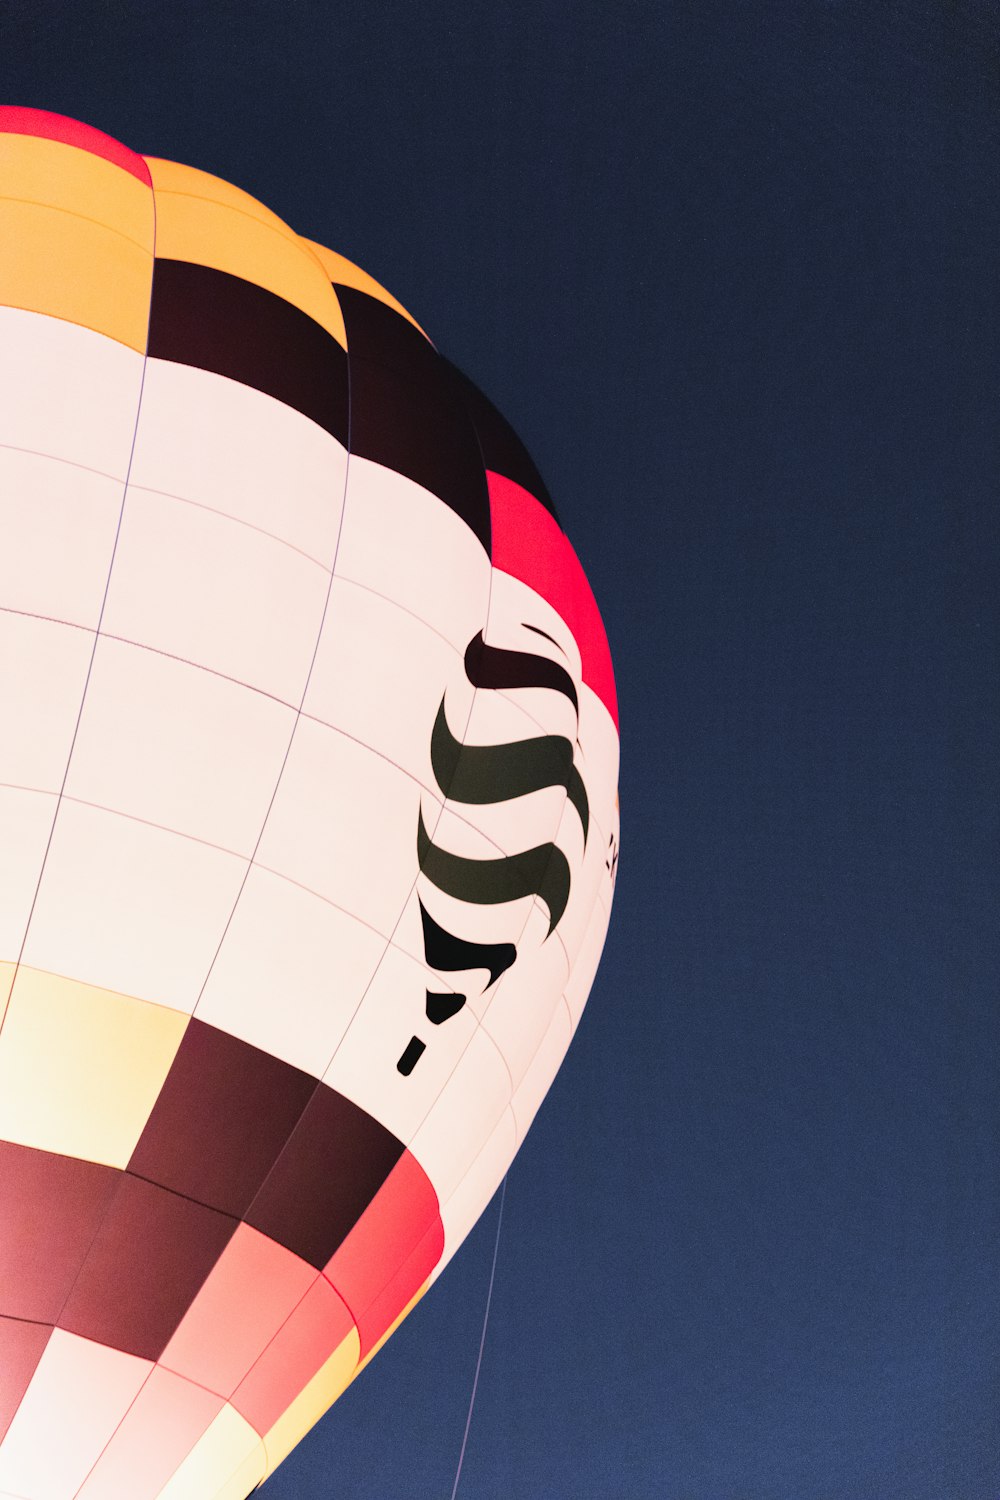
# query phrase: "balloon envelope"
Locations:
[[309, 819]]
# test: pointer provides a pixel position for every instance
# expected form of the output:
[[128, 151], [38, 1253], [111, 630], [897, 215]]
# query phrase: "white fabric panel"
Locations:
[[544, 1065], [588, 875], [291, 972], [178, 746], [401, 541], [43, 668], [380, 675], [344, 824], [25, 824], [464, 1115], [67, 391], [392, 1011], [523, 1001], [224, 445], [131, 908], [462, 1209], [78, 1394], [597, 757], [586, 961], [202, 587], [58, 524]]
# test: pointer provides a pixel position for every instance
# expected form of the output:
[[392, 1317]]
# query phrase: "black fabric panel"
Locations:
[[376, 332], [495, 667], [148, 1262], [502, 449], [332, 1166], [214, 321], [222, 1118], [407, 411]]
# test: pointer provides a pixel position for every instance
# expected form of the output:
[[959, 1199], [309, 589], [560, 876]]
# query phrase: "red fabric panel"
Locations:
[[529, 544], [383, 1312], [378, 1250], [18, 121]]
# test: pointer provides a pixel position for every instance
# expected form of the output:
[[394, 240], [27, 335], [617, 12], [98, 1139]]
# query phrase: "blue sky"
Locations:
[[730, 271]]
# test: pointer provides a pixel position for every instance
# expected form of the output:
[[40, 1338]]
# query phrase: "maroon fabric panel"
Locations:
[[21, 1347], [335, 1162], [222, 1117], [151, 1255], [50, 1209]]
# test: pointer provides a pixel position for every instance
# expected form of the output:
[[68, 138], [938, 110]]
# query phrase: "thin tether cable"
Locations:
[[482, 1342]]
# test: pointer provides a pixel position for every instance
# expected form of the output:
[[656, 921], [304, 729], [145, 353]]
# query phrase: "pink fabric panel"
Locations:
[[18, 121], [250, 1292], [315, 1329], [529, 544]]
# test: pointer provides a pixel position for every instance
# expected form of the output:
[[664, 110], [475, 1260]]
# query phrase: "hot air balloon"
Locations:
[[308, 812]]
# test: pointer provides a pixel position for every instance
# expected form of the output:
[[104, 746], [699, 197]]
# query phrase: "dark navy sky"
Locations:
[[731, 270]]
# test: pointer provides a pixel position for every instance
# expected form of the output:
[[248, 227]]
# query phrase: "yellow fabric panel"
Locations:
[[211, 231], [60, 176], [228, 1453], [247, 1477], [80, 1068], [7, 972], [339, 268], [317, 1397], [68, 267], [174, 177]]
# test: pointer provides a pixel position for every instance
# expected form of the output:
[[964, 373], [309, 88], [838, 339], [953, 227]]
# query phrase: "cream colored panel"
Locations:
[[403, 542], [344, 824], [524, 999], [585, 962], [291, 972], [221, 444], [67, 391], [465, 1204], [228, 1448], [58, 524], [464, 1115], [131, 908], [202, 587], [544, 1065], [178, 746], [394, 1010], [43, 667], [380, 676], [597, 758], [25, 824], [80, 1068], [78, 1395], [592, 878]]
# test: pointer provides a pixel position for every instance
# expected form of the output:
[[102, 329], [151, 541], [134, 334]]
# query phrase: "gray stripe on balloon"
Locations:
[[477, 774], [542, 871]]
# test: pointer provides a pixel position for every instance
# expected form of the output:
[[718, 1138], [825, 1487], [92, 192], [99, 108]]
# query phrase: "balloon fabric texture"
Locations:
[[308, 810]]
